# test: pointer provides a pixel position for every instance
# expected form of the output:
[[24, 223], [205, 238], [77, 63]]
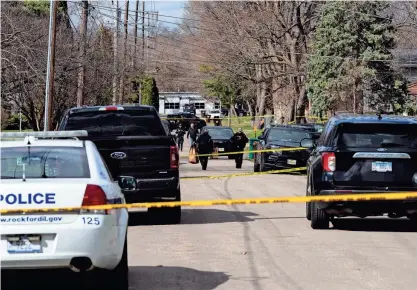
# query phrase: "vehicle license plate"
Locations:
[[221, 149], [291, 162], [23, 246], [380, 166]]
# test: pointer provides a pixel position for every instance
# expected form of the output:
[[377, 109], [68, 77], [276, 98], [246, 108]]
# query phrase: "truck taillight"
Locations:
[[94, 195], [174, 157], [329, 161]]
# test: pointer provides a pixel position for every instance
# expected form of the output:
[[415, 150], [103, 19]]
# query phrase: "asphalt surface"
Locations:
[[262, 246], [266, 246]]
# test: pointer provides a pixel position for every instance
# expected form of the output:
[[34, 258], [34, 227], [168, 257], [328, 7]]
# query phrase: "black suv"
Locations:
[[363, 154], [138, 150], [283, 137]]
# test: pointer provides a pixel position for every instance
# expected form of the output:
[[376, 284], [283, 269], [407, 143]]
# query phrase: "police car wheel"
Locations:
[[308, 204], [319, 219], [119, 276]]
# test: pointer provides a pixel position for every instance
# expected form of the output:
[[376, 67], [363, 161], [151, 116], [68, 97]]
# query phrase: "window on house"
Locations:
[[200, 106], [172, 105], [217, 106]]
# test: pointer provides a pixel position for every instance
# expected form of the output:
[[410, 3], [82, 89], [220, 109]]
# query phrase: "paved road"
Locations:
[[261, 246], [266, 246]]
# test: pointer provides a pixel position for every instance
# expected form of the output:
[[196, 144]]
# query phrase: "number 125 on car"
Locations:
[[91, 220]]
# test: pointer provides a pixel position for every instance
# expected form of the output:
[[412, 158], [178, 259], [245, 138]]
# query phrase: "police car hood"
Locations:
[[42, 193]]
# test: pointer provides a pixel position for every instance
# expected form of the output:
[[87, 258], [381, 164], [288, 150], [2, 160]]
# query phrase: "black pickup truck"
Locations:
[[138, 151]]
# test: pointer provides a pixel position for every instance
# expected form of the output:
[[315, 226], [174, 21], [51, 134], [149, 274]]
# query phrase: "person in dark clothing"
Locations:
[[239, 140], [180, 137], [192, 134], [204, 146]]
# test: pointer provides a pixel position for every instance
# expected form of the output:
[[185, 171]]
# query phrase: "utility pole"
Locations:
[[50, 70], [122, 77], [115, 53], [143, 33], [135, 35], [147, 44], [83, 44]]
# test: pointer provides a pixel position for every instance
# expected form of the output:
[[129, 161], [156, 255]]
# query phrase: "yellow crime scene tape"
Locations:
[[249, 151], [245, 174], [226, 202]]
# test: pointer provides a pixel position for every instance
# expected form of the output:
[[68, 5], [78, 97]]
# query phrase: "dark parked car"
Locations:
[[222, 138], [138, 151], [185, 119], [363, 154], [189, 108], [283, 137]]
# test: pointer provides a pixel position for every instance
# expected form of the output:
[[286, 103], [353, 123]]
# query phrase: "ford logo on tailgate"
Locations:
[[118, 155]]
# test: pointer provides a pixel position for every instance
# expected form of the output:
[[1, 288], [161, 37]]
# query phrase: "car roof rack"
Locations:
[[44, 135]]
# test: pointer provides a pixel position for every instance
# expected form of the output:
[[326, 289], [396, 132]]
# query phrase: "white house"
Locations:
[[173, 102]]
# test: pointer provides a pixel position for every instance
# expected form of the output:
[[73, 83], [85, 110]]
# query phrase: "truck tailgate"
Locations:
[[144, 157]]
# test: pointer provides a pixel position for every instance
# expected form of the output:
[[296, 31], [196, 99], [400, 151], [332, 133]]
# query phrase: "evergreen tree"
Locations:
[[148, 89], [350, 59]]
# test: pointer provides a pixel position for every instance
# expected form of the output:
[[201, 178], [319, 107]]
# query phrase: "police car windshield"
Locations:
[[288, 135], [44, 162], [126, 123], [220, 133]]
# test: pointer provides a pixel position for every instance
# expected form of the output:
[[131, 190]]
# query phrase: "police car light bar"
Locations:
[[47, 134]]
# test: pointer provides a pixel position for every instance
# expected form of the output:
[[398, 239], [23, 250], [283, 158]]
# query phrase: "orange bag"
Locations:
[[192, 156]]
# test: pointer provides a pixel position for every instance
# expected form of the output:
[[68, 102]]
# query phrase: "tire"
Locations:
[[166, 215], [119, 276], [308, 204], [255, 164], [262, 167], [319, 219]]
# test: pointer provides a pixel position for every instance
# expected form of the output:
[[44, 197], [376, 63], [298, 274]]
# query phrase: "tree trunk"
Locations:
[[301, 105]]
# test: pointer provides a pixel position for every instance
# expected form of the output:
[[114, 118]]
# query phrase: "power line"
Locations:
[[311, 55], [194, 27]]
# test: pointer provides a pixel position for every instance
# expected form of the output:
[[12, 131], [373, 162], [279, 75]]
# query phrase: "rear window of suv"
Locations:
[[119, 123], [376, 135], [44, 162]]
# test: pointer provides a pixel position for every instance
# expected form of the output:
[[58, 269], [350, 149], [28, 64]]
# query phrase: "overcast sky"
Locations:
[[165, 8]]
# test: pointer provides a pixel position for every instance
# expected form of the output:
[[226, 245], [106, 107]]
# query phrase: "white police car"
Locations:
[[40, 172]]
